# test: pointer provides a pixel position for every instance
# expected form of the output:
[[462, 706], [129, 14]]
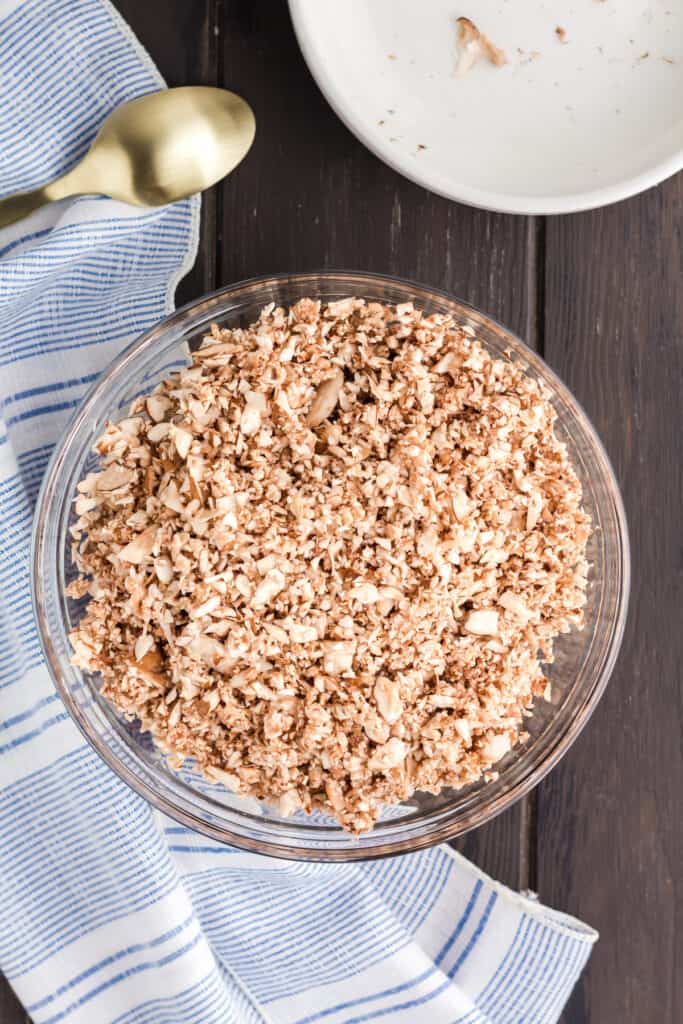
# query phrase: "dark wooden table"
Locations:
[[600, 295]]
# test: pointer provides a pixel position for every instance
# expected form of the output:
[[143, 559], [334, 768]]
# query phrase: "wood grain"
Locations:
[[610, 828], [181, 37]]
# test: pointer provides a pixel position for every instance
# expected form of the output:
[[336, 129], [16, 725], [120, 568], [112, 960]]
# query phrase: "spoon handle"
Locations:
[[75, 182], [14, 208]]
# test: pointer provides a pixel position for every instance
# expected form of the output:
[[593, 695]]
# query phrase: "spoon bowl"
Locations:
[[154, 150], [167, 145]]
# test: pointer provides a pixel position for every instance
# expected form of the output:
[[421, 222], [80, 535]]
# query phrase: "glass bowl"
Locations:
[[579, 674]]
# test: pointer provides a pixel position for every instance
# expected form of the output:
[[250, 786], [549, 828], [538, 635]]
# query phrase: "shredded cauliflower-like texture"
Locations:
[[328, 559]]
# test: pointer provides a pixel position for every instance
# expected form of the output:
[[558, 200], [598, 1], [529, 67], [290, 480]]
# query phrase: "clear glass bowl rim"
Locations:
[[264, 835]]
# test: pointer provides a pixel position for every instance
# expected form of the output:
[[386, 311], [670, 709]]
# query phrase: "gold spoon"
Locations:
[[154, 150]]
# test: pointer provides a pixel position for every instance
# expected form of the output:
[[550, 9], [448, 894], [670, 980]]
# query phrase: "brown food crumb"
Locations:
[[473, 44], [528, 58], [561, 34], [362, 538]]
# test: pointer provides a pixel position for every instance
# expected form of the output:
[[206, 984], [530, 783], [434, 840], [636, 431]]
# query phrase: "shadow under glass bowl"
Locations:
[[579, 674]]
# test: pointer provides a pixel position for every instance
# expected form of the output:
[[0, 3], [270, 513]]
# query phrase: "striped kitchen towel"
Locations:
[[109, 912]]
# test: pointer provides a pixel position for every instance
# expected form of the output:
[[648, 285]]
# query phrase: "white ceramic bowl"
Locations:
[[564, 126]]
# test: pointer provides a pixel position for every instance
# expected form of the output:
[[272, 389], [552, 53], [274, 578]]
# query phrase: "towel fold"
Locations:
[[109, 912]]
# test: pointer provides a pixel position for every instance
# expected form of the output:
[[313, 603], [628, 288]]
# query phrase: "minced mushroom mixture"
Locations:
[[327, 560]]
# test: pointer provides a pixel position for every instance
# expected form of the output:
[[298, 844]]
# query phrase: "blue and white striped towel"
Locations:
[[108, 912]]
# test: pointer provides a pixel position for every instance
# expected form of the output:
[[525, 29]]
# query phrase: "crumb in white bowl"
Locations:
[[473, 44]]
